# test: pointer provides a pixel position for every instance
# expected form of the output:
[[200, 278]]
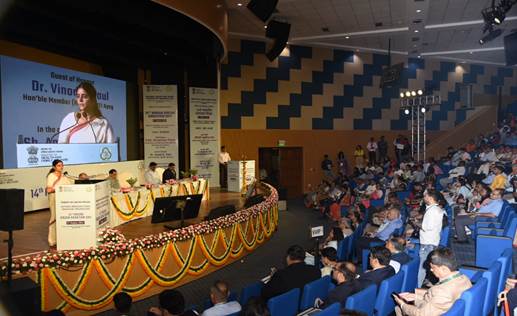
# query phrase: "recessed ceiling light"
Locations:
[[265, 26], [416, 31], [471, 53], [239, 4], [418, 11], [419, 56], [357, 50], [347, 37]]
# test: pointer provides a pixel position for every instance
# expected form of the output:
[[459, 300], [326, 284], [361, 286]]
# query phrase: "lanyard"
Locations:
[[457, 275]]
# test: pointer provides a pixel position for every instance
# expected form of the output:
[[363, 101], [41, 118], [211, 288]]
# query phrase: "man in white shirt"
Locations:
[[224, 157], [219, 296], [453, 173], [151, 176], [372, 151], [430, 230]]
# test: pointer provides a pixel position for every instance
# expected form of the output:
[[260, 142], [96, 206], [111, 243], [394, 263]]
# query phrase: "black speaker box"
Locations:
[[12, 201], [23, 297], [279, 31], [263, 9], [221, 211]]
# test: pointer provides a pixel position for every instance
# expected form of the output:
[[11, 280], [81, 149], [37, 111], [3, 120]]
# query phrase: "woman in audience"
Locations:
[[335, 235], [359, 157]]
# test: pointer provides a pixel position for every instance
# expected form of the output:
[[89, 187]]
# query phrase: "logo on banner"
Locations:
[[105, 153], [33, 155]]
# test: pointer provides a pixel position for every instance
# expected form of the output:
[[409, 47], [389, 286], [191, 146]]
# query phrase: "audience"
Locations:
[[295, 275], [172, 303], [440, 297], [219, 294], [381, 269], [329, 260], [396, 246], [347, 284], [255, 306], [122, 302]]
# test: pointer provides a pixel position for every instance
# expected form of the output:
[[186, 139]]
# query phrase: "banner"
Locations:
[[204, 133], [161, 124], [33, 180], [40, 106]]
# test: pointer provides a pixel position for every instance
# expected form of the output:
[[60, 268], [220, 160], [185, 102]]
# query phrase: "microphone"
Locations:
[[77, 116], [69, 176], [89, 123]]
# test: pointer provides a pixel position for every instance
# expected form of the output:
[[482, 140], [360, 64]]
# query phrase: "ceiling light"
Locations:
[[423, 109], [413, 93], [347, 37], [406, 111], [416, 31], [418, 11], [420, 92], [408, 94], [239, 4], [492, 34], [419, 56], [265, 26], [402, 94], [498, 16]]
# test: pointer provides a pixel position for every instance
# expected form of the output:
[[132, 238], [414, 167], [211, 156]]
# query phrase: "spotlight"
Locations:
[[420, 92], [498, 17], [402, 94], [408, 94], [413, 93], [406, 111], [423, 109], [492, 34]]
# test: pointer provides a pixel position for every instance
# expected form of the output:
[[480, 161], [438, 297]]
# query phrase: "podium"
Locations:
[[238, 170], [81, 210]]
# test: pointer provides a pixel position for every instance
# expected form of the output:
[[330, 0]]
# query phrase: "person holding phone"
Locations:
[[440, 297]]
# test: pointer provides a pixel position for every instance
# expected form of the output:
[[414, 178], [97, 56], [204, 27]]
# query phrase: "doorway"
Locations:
[[282, 167]]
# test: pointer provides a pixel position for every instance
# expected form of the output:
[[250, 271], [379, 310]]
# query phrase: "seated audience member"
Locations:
[[329, 260], [169, 173], [122, 302], [381, 269], [346, 226], [491, 209], [113, 180], [219, 293], [396, 246], [454, 173], [295, 275], [172, 303], [334, 236], [347, 284], [255, 306], [392, 222], [440, 297], [83, 176], [499, 181]]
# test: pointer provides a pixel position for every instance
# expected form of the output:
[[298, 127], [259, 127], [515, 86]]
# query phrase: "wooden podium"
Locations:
[[81, 210], [240, 174]]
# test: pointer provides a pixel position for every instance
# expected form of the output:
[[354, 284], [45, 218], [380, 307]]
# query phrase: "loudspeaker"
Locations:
[[221, 211], [279, 31], [22, 297], [263, 9], [12, 201]]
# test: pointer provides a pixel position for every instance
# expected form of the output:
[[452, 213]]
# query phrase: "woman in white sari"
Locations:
[[88, 125]]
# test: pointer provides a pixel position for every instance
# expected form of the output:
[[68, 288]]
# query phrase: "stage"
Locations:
[[33, 238]]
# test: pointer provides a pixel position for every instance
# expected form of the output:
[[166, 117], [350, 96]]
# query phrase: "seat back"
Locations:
[[384, 304], [315, 289], [403, 195], [457, 309], [410, 270], [492, 277], [509, 229], [332, 310], [343, 248], [362, 300], [377, 203], [474, 298], [284, 304], [506, 267], [444, 236], [249, 291]]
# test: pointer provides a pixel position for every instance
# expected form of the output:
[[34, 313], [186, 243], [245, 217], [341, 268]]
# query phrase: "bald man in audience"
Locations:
[[219, 294]]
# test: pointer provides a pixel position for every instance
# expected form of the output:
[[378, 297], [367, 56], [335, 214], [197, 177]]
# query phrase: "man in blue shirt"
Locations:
[[491, 209], [391, 223]]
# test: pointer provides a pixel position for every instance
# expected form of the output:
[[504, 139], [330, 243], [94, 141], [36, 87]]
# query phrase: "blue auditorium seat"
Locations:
[[249, 291], [403, 195], [362, 300], [492, 277], [506, 267], [384, 304], [332, 310], [474, 298], [491, 242], [410, 270], [343, 248], [377, 203], [284, 304], [444, 236], [315, 289], [457, 309]]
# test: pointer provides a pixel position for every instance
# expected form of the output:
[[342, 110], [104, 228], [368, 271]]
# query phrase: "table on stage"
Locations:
[[139, 203]]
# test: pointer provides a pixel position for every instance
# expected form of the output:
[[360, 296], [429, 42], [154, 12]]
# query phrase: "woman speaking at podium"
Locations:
[[88, 125], [55, 177]]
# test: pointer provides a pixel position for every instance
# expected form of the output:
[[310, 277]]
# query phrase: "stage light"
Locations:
[[420, 92], [423, 109], [408, 94], [492, 34], [402, 94], [413, 93], [406, 111]]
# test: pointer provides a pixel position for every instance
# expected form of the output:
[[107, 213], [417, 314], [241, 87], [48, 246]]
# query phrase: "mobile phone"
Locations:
[[395, 294]]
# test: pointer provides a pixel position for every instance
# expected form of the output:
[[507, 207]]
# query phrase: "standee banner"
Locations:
[[161, 124], [204, 133]]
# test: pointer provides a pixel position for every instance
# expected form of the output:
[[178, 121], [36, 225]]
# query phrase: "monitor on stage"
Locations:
[[52, 113], [170, 208]]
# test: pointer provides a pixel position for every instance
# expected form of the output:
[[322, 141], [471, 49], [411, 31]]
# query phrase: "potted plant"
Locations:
[[131, 181]]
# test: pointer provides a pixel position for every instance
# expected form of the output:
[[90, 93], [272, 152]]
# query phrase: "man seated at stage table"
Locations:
[[151, 176], [83, 176], [169, 173], [172, 303], [295, 275], [113, 180], [219, 294]]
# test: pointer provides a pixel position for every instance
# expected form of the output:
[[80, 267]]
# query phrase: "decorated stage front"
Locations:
[[84, 282]]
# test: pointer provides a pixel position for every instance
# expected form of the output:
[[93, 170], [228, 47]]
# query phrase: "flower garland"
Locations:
[[113, 244]]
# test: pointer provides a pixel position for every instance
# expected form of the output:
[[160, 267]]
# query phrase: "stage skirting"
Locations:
[[129, 206], [148, 265]]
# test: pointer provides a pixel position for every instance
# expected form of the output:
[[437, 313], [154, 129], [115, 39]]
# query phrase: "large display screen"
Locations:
[[55, 113]]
